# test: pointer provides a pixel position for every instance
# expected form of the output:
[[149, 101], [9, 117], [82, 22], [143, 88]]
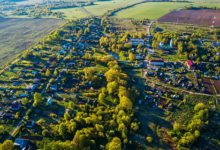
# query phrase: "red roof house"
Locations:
[[190, 64]]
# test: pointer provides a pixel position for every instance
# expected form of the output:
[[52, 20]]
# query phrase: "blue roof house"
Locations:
[[49, 101]]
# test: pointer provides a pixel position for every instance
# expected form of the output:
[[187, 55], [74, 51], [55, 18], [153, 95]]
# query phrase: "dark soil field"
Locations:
[[217, 85], [208, 86], [205, 17], [17, 35]]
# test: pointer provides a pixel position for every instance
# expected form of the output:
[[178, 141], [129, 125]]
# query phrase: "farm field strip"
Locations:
[[197, 17], [28, 31]]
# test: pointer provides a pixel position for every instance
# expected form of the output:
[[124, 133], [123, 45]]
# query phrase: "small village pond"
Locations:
[[114, 55]]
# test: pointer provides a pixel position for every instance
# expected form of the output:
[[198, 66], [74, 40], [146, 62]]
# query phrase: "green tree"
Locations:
[[115, 144], [199, 106], [126, 103], [180, 48], [132, 57], [56, 72], [149, 139], [48, 73], [134, 126], [176, 126], [112, 87], [37, 99], [128, 45], [7, 145], [139, 46]]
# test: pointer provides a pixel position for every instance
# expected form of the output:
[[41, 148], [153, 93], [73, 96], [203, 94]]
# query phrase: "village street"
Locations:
[[149, 51]]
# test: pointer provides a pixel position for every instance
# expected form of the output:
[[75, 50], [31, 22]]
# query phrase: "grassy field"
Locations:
[[103, 6], [154, 10], [99, 8], [72, 13], [17, 35], [151, 10]]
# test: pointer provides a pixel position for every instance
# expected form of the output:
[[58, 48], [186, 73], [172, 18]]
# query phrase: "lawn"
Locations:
[[155, 10], [17, 34]]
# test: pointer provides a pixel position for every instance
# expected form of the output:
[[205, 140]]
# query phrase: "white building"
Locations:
[[156, 62], [136, 42]]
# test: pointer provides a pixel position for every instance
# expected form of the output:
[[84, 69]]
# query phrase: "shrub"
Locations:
[[199, 106], [149, 139]]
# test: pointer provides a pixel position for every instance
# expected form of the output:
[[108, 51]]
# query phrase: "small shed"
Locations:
[[49, 101]]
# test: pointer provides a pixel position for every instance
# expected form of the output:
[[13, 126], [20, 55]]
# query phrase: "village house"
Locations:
[[190, 64], [22, 144], [53, 87], [16, 105], [6, 115], [30, 124], [49, 101], [136, 42], [31, 87], [156, 62]]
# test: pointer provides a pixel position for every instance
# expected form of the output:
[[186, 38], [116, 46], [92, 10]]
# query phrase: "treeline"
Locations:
[[201, 7]]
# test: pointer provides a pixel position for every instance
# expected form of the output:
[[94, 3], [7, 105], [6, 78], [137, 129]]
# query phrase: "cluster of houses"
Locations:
[[165, 72], [154, 97]]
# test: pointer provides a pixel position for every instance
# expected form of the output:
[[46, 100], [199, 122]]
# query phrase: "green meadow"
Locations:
[[155, 10], [72, 13]]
